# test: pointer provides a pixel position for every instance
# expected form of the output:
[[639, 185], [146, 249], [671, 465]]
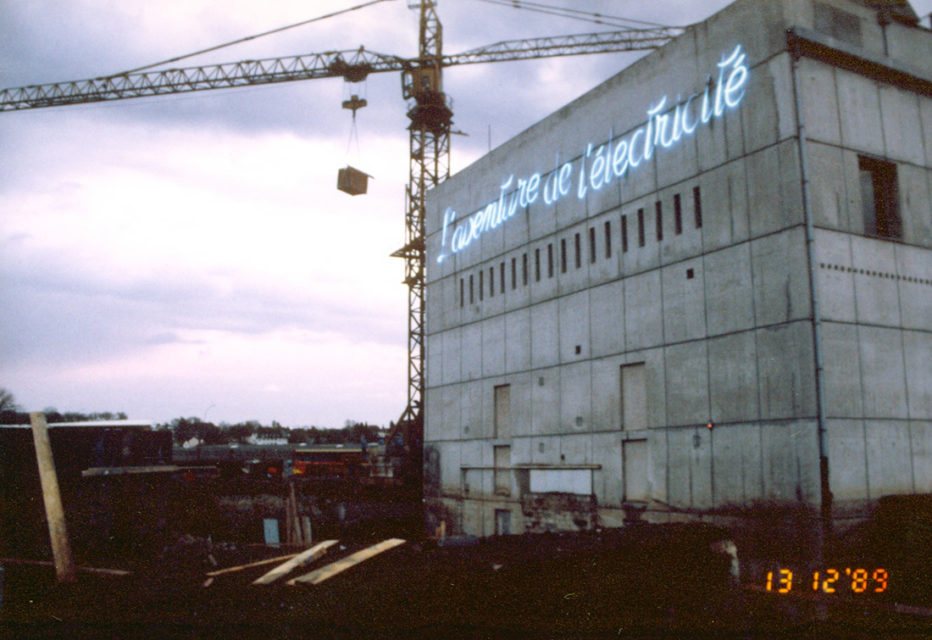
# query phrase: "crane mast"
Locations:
[[429, 164], [429, 113]]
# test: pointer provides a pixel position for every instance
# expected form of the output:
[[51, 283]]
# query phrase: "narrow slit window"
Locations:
[[524, 269], [536, 265], [514, 273], [462, 293], [697, 206], [591, 245], [641, 237], [481, 284], [658, 219], [562, 255], [608, 239], [624, 234], [577, 245], [471, 297], [491, 281], [501, 276], [677, 214], [550, 260]]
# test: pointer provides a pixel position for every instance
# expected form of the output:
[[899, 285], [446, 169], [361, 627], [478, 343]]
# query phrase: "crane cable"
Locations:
[[575, 14], [253, 37]]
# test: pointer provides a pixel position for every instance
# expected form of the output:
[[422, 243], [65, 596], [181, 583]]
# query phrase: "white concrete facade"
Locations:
[[577, 351]]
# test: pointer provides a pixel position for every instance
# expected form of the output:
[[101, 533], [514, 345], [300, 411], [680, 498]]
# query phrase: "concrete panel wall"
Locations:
[[861, 123], [684, 316], [720, 311], [847, 468], [889, 461], [737, 464], [842, 370], [784, 360], [687, 383], [882, 374], [643, 319], [607, 318], [917, 352], [921, 441], [728, 294], [733, 378]]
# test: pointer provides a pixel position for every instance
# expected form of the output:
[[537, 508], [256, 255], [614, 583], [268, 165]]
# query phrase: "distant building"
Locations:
[[267, 439], [703, 285], [79, 446]]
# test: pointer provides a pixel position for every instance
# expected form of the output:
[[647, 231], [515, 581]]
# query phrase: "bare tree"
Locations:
[[7, 402]]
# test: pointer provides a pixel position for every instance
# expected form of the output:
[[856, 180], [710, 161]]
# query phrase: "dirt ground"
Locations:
[[641, 581]]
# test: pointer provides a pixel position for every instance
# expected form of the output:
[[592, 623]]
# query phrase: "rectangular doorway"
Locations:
[[502, 418], [634, 468], [502, 471], [502, 522]]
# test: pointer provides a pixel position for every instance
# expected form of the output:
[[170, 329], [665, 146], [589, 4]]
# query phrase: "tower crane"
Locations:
[[429, 112]]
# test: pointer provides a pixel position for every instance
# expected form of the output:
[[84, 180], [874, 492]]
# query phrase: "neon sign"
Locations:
[[598, 166]]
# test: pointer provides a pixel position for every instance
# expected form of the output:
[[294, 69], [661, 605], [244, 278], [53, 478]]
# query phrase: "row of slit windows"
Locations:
[[546, 261]]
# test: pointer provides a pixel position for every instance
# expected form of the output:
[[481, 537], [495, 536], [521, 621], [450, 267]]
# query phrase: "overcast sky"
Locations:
[[190, 255]]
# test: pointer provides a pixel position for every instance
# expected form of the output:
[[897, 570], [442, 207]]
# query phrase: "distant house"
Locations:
[[267, 439]]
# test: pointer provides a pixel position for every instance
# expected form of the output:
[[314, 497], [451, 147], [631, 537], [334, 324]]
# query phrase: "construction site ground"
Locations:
[[640, 581]]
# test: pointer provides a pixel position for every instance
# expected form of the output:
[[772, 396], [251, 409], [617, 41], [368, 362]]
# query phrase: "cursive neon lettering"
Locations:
[[634, 137], [663, 128], [686, 128], [448, 217], [677, 124], [596, 171], [620, 159], [736, 78], [583, 187], [532, 184], [654, 117], [550, 189], [608, 154], [566, 172], [501, 213], [648, 136]]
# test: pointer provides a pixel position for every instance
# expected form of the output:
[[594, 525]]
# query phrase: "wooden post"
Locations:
[[306, 529], [295, 533], [51, 496]]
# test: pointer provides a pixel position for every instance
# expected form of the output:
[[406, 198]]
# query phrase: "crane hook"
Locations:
[[354, 103]]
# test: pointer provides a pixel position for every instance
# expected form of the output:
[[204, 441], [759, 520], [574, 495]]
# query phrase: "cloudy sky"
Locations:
[[190, 255]]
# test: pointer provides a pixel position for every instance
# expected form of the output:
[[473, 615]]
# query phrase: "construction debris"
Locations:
[[315, 552], [324, 573]]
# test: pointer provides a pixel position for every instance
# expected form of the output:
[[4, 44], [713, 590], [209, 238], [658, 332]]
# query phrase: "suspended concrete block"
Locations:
[[352, 181]]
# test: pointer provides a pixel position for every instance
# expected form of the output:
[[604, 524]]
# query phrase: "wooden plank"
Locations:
[[94, 472], [47, 563], [324, 573], [251, 565], [304, 557], [51, 496]]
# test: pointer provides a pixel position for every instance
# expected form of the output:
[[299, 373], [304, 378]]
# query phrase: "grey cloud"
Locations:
[[64, 315]]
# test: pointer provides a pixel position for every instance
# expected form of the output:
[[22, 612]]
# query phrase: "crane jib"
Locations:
[[353, 65]]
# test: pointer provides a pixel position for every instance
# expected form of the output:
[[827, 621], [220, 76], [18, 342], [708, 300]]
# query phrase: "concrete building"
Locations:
[[704, 285]]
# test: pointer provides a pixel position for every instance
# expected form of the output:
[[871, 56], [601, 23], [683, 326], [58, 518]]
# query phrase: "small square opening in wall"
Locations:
[[690, 274], [578, 349]]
